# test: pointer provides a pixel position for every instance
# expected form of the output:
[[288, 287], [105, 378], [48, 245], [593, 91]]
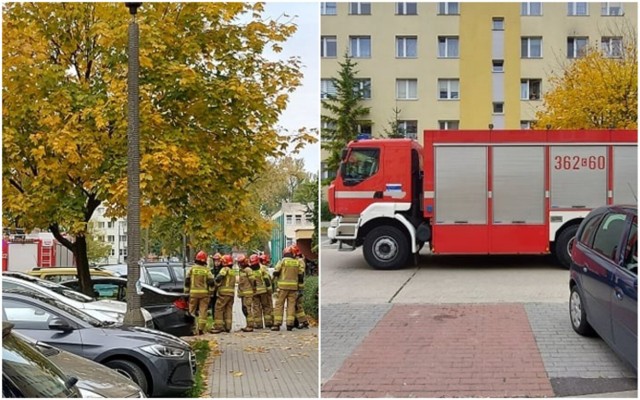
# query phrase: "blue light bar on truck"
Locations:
[[363, 136]]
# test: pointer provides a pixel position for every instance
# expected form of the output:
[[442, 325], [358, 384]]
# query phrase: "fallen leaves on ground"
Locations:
[[236, 374], [259, 349]]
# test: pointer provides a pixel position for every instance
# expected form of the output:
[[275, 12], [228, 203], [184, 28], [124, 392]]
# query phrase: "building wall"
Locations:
[[118, 228], [473, 26]]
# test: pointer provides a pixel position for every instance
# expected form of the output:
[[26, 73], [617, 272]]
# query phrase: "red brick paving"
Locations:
[[474, 350]]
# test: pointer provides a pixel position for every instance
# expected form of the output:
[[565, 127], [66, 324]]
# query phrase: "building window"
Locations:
[[406, 46], [288, 219], [406, 89], [497, 66], [449, 125], [298, 219], [327, 173], [111, 238], [530, 89], [531, 47], [100, 238], [408, 128], [532, 8], [448, 89], [612, 9], [101, 224], [498, 24], [448, 46], [123, 252], [406, 8], [526, 124], [360, 46], [576, 46], [328, 46], [498, 108], [328, 8], [365, 127], [110, 224], [327, 88], [328, 125], [113, 252], [578, 8], [360, 8], [123, 238], [448, 9], [363, 86], [612, 47]]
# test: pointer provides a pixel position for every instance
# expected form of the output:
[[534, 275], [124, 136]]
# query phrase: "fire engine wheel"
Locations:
[[562, 250], [386, 247]]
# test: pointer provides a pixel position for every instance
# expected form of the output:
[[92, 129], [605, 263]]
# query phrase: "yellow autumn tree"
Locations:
[[594, 91], [209, 102]]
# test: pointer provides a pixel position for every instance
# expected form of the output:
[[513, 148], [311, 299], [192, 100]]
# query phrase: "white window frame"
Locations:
[[493, 109], [357, 50], [111, 238], [298, 219], [447, 8], [525, 89], [407, 83], [356, 8], [288, 219], [526, 9], [401, 46], [327, 87], [325, 41], [365, 127], [448, 125], [497, 65], [444, 43], [573, 51], [607, 7], [573, 9], [327, 7], [405, 125], [529, 39], [449, 84], [607, 48], [402, 8], [364, 86]]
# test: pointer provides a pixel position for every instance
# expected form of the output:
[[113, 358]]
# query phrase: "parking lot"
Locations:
[[457, 327]]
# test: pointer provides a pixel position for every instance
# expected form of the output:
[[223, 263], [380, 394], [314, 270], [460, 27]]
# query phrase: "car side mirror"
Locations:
[[156, 284], [59, 324]]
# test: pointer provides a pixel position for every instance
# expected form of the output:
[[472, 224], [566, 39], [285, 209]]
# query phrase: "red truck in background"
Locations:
[[478, 191]]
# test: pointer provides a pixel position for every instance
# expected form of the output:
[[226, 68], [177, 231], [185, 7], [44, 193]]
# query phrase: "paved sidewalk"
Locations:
[[262, 363]]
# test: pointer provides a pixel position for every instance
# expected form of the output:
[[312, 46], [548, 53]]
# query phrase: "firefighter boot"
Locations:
[[217, 330], [303, 325], [275, 328], [247, 329], [289, 327]]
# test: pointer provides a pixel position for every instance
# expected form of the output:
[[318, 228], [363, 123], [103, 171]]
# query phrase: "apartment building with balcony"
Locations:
[[462, 65]]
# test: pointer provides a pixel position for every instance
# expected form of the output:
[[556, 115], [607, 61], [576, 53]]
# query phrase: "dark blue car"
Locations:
[[604, 279]]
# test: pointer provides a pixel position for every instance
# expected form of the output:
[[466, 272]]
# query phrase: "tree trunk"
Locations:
[[82, 264]]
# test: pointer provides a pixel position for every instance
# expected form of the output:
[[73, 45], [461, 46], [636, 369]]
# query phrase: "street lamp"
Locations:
[[133, 315]]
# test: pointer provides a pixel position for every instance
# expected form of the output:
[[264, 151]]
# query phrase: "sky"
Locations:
[[304, 104]]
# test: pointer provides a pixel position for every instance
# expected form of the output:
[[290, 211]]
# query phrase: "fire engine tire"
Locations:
[[561, 250], [386, 247], [132, 371]]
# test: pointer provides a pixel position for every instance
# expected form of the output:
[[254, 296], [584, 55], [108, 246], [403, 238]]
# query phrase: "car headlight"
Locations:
[[88, 394], [163, 351]]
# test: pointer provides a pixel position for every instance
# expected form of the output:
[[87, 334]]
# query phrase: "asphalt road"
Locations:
[[360, 305]]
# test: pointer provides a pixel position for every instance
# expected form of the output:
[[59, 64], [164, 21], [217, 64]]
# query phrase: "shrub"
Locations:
[[310, 299]]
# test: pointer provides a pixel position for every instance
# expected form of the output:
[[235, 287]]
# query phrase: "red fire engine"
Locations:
[[478, 192]]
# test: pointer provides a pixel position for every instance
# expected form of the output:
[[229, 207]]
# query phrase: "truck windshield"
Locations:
[[360, 164]]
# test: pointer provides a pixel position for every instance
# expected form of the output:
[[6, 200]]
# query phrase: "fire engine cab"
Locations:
[[478, 192]]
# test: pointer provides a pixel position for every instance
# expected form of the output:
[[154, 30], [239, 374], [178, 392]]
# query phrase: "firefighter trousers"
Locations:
[[248, 310], [300, 314], [263, 305], [289, 297], [223, 312], [201, 306]]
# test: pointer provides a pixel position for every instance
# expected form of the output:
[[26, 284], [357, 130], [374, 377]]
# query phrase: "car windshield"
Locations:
[[64, 291], [118, 269], [31, 372]]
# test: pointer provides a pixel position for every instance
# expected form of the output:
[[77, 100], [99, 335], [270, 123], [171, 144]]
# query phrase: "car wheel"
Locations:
[[386, 247], [578, 315], [132, 371], [562, 250]]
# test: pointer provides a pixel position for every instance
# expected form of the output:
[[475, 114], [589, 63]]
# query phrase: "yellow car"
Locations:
[[61, 274]]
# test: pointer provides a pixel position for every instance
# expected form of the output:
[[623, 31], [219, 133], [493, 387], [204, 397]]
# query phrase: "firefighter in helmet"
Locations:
[[262, 303], [216, 266], [198, 284], [226, 288], [301, 320], [290, 274], [246, 291]]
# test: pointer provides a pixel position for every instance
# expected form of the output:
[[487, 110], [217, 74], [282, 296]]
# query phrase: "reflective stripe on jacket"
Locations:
[[289, 270], [260, 286], [228, 286], [200, 279], [245, 285]]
